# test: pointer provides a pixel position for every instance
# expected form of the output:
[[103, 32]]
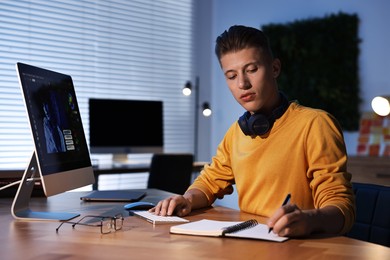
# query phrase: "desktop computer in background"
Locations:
[[121, 127]]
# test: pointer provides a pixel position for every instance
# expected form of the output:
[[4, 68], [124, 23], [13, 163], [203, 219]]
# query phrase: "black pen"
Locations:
[[286, 200]]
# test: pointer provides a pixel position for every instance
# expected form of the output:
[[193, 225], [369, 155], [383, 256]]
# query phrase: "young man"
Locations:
[[276, 148]]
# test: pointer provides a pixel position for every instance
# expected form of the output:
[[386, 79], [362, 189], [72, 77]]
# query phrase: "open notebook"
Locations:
[[241, 229]]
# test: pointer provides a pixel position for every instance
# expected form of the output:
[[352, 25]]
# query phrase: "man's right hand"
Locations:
[[174, 205]]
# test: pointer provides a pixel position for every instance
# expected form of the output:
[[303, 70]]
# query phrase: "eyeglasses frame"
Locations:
[[113, 222]]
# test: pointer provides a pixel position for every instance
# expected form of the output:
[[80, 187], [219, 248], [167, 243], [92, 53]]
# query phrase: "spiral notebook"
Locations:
[[250, 229]]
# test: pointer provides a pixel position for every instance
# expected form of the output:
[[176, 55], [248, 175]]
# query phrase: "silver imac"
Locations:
[[61, 157]]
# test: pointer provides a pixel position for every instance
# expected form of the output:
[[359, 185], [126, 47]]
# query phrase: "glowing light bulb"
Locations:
[[381, 105]]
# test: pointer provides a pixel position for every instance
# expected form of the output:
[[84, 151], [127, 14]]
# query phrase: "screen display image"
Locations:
[[61, 156], [55, 120], [120, 127]]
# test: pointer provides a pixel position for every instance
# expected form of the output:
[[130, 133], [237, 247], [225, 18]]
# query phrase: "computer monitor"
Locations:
[[121, 127], [60, 157]]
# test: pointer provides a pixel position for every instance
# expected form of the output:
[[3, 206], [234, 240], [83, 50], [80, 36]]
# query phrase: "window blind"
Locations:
[[138, 49]]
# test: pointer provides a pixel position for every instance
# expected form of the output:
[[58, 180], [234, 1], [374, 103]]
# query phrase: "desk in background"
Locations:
[[131, 168], [370, 169], [141, 240]]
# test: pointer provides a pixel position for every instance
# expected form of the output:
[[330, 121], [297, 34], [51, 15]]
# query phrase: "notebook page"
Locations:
[[259, 231]]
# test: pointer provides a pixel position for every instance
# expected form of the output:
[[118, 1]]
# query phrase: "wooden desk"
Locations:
[[141, 240]]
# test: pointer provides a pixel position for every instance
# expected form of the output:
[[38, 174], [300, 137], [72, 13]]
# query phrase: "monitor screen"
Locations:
[[61, 152], [120, 127]]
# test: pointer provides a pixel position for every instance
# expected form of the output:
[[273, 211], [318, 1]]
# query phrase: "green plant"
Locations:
[[320, 64]]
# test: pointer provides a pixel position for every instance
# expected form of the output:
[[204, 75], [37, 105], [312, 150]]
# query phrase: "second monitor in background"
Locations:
[[121, 127]]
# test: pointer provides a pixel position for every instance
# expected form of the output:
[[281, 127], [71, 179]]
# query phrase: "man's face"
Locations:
[[251, 77]]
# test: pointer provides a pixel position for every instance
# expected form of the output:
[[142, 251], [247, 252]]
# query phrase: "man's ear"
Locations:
[[276, 67]]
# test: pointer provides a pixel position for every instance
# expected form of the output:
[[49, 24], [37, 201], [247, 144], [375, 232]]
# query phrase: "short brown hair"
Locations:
[[239, 37]]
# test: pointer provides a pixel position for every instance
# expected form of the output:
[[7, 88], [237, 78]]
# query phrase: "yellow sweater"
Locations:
[[304, 154]]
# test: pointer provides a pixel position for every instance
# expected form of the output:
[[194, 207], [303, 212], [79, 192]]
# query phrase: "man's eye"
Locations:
[[230, 77], [252, 70]]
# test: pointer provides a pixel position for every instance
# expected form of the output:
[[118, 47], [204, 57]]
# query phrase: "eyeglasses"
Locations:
[[106, 224]]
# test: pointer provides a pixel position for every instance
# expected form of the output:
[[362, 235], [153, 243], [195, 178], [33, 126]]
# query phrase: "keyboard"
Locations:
[[156, 219]]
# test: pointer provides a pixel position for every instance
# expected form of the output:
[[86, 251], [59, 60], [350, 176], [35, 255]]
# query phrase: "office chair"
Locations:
[[372, 213], [171, 172]]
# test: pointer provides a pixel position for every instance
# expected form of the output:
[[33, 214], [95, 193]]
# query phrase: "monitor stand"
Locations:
[[121, 161], [20, 206], [120, 158]]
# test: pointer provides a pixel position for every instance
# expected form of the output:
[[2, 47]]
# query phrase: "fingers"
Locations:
[[279, 213], [162, 207], [168, 206], [283, 219]]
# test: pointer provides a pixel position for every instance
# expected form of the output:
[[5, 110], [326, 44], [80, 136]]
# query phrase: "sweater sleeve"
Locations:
[[216, 179], [331, 183]]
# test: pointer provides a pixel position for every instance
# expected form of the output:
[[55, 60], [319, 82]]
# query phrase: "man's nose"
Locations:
[[243, 82]]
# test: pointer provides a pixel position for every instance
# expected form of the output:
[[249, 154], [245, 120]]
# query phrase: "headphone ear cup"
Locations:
[[243, 123], [259, 124], [256, 124]]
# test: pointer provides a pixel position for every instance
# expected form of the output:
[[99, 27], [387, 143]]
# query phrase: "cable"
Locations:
[[17, 182]]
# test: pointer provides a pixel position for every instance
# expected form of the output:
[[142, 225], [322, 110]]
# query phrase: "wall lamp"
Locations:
[[381, 105], [187, 91], [206, 110]]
